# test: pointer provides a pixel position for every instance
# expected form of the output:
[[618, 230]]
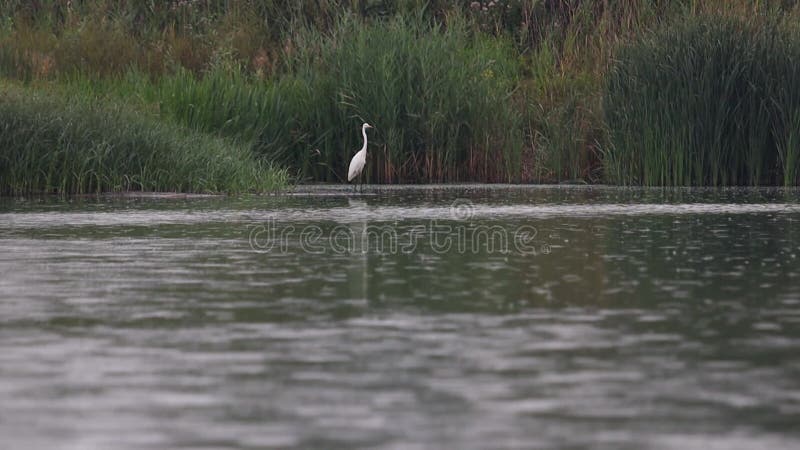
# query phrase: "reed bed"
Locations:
[[710, 100], [441, 100], [493, 91], [49, 144]]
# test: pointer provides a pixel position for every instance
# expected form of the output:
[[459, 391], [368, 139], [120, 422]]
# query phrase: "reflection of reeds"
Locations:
[[48, 144], [709, 100]]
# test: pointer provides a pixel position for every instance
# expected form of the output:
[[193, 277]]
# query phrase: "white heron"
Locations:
[[360, 159]]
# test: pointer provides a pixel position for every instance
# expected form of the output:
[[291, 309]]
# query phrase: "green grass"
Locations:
[[564, 123], [441, 101], [49, 144], [527, 91], [440, 98], [709, 100]]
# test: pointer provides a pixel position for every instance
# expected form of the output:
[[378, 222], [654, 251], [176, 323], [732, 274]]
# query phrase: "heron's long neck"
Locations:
[[364, 133]]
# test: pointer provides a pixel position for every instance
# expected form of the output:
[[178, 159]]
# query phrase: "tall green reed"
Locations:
[[709, 100], [54, 145], [440, 99], [510, 92]]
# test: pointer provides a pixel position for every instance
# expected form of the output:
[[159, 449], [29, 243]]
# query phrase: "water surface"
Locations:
[[406, 317]]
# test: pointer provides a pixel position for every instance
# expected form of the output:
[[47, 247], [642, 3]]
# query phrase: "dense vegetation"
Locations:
[[628, 91], [52, 144], [708, 102]]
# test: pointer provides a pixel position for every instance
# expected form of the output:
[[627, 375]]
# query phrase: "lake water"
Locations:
[[406, 317]]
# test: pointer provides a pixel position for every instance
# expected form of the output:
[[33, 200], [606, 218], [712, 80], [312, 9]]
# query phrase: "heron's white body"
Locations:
[[357, 164], [360, 159]]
